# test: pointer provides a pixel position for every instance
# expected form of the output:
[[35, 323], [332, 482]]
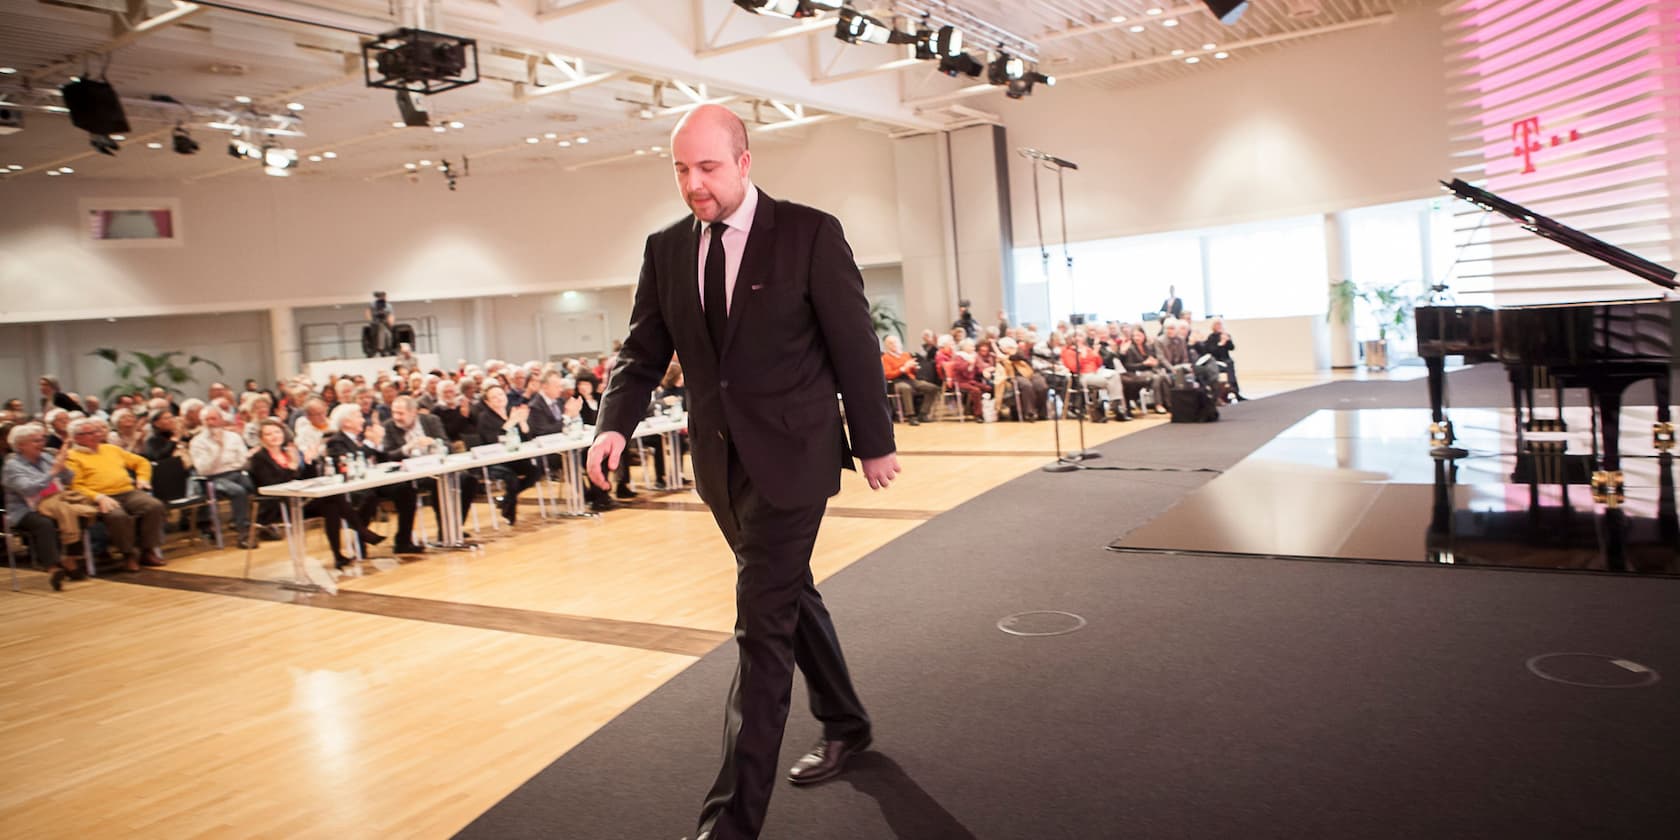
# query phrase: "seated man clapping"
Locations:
[[132, 517]]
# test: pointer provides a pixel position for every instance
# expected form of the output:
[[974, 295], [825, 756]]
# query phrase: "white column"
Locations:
[[1342, 351], [479, 317], [284, 343]]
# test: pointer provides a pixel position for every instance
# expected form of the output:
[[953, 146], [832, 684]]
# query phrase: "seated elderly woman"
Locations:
[[278, 461], [39, 503], [128, 432], [966, 373], [132, 517], [495, 418], [58, 427], [256, 407]]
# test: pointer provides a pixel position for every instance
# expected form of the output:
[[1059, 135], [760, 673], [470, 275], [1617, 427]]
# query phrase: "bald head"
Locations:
[[712, 163]]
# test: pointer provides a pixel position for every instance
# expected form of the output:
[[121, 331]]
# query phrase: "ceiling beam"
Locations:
[[554, 12], [807, 27], [1127, 21], [181, 11]]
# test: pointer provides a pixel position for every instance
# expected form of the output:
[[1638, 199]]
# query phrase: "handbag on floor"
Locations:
[[1192, 404]]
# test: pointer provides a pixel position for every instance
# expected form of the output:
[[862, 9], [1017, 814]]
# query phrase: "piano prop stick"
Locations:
[[1602, 347]]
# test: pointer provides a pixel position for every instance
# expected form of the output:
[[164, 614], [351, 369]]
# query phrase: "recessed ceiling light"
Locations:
[[641, 151], [583, 139], [410, 166], [66, 170], [550, 136], [119, 137], [57, 109], [1153, 12], [243, 100], [7, 71], [1170, 22], [398, 124], [1192, 60], [53, 172], [457, 124], [154, 145], [439, 129], [1208, 46], [15, 168], [1117, 19], [659, 148], [329, 155], [1136, 29], [314, 158], [294, 106], [1221, 55], [425, 163], [1178, 52], [532, 140], [564, 143]]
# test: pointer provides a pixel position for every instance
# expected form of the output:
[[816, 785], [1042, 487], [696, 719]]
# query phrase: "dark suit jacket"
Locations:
[[396, 436], [339, 445], [798, 333], [542, 420]]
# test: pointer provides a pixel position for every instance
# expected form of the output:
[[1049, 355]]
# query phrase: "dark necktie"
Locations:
[[717, 300]]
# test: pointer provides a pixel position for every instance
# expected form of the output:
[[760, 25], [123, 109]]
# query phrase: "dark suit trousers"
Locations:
[[780, 621]]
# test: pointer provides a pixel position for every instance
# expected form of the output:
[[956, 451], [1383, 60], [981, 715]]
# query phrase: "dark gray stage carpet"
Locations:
[[1207, 697]]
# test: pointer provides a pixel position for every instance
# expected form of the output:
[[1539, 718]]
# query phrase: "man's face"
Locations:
[[402, 413], [351, 424], [552, 387], [891, 344], [88, 436], [213, 420], [365, 401], [710, 177], [447, 392], [46, 388]]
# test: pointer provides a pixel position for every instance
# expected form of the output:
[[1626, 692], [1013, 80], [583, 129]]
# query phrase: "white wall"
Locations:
[[252, 242], [1346, 120]]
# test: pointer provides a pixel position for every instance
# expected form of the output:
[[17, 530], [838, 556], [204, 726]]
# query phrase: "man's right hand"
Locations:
[[608, 448], [106, 503]]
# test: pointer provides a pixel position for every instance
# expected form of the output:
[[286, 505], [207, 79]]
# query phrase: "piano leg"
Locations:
[[1662, 432], [1607, 481], [1440, 428]]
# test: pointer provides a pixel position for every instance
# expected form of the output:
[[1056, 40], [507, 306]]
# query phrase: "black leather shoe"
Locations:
[[624, 492], [826, 760], [408, 548]]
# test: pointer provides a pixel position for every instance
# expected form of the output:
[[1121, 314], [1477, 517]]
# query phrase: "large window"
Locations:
[[1270, 270]]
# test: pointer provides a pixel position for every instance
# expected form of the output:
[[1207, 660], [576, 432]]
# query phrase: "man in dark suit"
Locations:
[[349, 441], [409, 433], [764, 303]]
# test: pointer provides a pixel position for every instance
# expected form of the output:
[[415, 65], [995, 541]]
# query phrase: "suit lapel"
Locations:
[[761, 243]]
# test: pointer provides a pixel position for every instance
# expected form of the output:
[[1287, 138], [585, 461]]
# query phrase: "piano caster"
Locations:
[[1662, 436], [1441, 440], [1607, 488]]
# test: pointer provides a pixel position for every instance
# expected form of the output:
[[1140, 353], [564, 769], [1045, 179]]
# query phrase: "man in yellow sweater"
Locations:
[[100, 473]]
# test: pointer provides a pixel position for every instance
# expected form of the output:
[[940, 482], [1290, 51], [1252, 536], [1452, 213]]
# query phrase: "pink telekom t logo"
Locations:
[[1526, 135]]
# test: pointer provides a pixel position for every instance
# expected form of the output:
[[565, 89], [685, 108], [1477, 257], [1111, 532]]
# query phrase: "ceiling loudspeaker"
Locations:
[[1227, 10], [94, 107]]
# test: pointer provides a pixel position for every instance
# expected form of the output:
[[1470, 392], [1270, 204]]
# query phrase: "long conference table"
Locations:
[[308, 573]]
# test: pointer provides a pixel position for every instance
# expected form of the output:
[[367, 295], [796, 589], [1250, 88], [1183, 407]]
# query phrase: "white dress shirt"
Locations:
[[221, 451], [734, 244]]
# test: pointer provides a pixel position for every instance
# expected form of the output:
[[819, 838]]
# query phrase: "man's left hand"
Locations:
[[880, 472]]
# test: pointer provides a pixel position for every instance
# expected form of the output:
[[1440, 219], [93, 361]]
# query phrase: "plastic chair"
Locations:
[[950, 396]]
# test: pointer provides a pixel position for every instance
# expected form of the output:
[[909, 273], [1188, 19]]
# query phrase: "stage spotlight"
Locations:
[[183, 142], [941, 43], [1228, 11], [94, 107], [1015, 76], [103, 144], [789, 8], [855, 27], [961, 64]]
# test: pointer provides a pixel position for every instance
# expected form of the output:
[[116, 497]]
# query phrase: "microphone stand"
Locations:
[[1065, 462], [1082, 454]]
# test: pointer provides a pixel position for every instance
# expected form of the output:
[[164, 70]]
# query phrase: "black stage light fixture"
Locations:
[[1016, 77], [412, 105], [855, 27], [944, 42], [103, 144], [790, 8], [1227, 10], [961, 64], [183, 142], [94, 107]]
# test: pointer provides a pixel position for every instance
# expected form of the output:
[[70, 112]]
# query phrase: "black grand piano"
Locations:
[[1602, 347]]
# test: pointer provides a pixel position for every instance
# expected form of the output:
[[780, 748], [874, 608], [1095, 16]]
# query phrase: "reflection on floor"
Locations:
[[1361, 485]]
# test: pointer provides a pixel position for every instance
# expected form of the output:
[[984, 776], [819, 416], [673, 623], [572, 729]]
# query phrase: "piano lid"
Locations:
[[1563, 234]]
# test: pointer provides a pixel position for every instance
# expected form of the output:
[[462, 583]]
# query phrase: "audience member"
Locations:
[[128, 432], [899, 368], [40, 504], [348, 441], [410, 433], [219, 455], [1219, 345], [133, 519], [496, 419], [53, 397]]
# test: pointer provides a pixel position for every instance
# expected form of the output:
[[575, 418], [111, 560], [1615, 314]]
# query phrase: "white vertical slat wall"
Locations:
[[1569, 108]]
